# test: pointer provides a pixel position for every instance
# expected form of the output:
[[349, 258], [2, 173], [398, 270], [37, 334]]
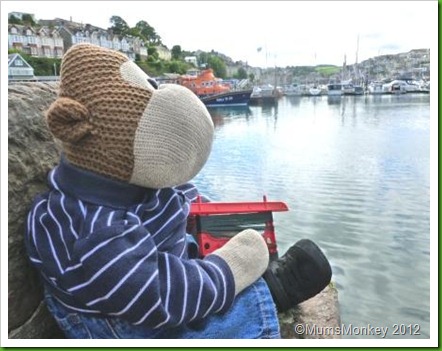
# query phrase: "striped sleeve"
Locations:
[[121, 273]]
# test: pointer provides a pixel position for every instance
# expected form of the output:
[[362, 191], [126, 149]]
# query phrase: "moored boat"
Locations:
[[292, 90], [315, 91], [230, 98], [265, 94], [214, 91], [204, 83], [334, 89], [348, 88], [395, 87], [376, 88], [399, 86]]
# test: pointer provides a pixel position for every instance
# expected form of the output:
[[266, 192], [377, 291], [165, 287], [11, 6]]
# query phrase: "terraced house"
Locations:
[[42, 41], [51, 38]]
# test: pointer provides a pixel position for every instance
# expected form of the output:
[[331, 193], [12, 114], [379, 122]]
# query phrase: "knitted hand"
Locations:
[[247, 256]]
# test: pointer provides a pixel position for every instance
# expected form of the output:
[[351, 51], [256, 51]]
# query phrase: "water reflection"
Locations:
[[225, 114], [334, 100], [294, 100], [354, 172]]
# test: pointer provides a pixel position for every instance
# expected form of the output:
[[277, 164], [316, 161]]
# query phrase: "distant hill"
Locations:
[[414, 64]]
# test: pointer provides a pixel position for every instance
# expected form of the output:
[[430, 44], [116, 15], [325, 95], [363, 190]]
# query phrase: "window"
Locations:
[[13, 30], [16, 39], [18, 62]]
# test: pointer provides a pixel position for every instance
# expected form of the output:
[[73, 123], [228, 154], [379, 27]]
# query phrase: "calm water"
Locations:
[[355, 173]]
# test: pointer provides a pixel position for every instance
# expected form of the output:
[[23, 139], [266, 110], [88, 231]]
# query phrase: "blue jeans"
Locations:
[[252, 316]]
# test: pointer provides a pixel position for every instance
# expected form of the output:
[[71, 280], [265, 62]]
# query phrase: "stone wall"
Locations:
[[31, 154]]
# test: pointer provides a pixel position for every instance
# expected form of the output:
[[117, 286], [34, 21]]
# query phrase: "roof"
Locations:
[[12, 58]]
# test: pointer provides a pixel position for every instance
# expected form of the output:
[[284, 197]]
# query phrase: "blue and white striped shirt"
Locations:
[[114, 249]]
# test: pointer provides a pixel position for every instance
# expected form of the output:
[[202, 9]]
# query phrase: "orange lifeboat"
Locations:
[[204, 84]]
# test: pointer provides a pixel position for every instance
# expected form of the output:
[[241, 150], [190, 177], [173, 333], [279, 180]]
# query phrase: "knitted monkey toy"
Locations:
[[109, 237]]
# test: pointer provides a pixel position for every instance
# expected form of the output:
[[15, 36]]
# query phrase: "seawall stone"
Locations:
[[32, 152]]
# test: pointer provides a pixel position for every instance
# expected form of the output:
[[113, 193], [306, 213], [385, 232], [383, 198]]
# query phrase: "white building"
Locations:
[[18, 67]]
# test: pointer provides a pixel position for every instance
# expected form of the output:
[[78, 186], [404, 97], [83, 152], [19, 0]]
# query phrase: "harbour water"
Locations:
[[355, 173]]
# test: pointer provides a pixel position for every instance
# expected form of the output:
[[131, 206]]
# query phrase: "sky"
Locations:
[[289, 33]]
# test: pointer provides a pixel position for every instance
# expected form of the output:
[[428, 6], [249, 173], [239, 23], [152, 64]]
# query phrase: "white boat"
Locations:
[[348, 89], [399, 86], [376, 88], [394, 87], [411, 86], [292, 90], [315, 91], [334, 89], [264, 94]]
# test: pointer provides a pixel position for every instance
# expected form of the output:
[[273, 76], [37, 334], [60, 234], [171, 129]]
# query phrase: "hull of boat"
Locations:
[[232, 98], [334, 90], [263, 100], [315, 91]]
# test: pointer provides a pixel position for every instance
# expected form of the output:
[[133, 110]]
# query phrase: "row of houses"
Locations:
[[51, 38]]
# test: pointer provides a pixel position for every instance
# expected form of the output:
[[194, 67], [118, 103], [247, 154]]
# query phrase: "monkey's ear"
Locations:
[[68, 120]]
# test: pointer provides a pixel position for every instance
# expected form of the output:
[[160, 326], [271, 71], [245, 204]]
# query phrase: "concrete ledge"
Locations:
[[320, 313]]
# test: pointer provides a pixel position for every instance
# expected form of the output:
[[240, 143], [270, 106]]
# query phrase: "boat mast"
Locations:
[[357, 76], [344, 67], [274, 89]]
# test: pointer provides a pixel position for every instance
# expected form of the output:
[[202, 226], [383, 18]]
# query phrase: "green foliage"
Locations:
[[303, 70], [177, 66], [147, 68], [203, 58], [15, 51], [147, 32], [14, 20], [327, 71], [152, 52], [218, 66], [176, 52], [142, 30], [241, 74], [119, 25], [28, 20]]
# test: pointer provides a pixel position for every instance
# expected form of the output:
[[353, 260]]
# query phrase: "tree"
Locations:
[[147, 32], [14, 20], [119, 25], [241, 74], [203, 58], [28, 19], [179, 67], [176, 52], [218, 66], [152, 52]]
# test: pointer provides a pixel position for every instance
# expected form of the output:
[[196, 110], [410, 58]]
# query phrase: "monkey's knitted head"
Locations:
[[113, 121]]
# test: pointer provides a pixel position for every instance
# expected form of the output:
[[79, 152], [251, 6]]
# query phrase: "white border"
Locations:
[[432, 342]]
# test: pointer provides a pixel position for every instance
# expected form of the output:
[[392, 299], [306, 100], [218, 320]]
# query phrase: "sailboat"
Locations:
[[267, 93], [359, 78], [314, 90]]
